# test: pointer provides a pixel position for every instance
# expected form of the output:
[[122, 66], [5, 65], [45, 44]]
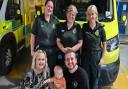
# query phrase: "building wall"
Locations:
[[122, 10]]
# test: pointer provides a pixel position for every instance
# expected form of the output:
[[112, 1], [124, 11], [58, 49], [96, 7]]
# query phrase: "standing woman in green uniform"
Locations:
[[43, 34], [94, 46], [69, 36]]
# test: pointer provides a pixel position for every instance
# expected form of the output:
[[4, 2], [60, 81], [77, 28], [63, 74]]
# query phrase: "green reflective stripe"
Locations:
[[16, 24], [16, 27], [26, 29]]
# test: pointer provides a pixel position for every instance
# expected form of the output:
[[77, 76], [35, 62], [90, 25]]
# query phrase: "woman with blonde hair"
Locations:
[[69, 36], [38, 73], [94, 46]]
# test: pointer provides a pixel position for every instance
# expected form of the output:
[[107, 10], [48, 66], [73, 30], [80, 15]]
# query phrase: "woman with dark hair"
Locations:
[[43, 34]]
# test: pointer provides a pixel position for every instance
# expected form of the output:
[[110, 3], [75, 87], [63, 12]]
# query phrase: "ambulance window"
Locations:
[[105, 8], [60, 8], [1, 1], [11, 9]]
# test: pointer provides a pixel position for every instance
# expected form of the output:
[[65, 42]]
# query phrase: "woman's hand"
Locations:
[[101, 61], [27, 88], [32, 53], [44, 82], [64, 50]]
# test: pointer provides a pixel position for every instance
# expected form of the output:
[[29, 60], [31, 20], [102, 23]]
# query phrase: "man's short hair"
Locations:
[[70, 51]]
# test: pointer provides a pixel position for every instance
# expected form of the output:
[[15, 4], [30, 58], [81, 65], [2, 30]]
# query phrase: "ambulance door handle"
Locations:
[[4, 27]]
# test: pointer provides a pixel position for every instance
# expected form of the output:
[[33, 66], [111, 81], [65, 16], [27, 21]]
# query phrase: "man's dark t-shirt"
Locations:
[[77, 80]]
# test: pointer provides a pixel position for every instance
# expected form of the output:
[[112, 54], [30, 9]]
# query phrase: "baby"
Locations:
[[58, 80]]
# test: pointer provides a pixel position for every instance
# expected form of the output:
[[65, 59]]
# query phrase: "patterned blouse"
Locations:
[[35, 81]]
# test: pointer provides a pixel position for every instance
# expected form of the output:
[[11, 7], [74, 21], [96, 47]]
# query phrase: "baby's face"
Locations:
[[59, 74]]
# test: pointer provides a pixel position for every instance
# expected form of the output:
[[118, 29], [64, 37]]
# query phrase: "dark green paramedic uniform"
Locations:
[[46, 38], [92, 52], [68, 38]]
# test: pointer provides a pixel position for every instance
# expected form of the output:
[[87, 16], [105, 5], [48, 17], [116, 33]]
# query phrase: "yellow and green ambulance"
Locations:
[[16, 17]]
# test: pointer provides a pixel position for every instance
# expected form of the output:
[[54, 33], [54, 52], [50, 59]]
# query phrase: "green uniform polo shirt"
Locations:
[[45, 31], [70, 37], [92, 38]]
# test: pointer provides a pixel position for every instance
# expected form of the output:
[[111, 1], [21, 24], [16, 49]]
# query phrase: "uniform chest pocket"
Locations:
[[42, 25], [92, 37], [45, 28]]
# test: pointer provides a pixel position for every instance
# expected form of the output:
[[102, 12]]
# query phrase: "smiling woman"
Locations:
[[43, 34], [39, 72], [69, 34]]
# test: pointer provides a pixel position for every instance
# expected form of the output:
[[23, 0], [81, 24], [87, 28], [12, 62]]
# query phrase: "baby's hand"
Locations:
[[44, 82]]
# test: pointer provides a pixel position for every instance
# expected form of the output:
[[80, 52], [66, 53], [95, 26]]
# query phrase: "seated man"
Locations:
[[76, 77]]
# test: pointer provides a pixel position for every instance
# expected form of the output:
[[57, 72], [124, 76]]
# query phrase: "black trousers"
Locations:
[[89, 62]]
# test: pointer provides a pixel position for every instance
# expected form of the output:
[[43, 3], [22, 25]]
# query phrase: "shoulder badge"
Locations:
[[53, 26], [75, 84], [62, 30], [97, 33], [74, 31]]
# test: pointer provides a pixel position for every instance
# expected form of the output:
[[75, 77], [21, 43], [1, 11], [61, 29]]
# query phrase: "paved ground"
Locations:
[[11, 80], [122, 79], [123, 38]]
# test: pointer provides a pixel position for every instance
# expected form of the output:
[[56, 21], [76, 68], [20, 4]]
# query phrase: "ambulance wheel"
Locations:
[[6, 58]]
